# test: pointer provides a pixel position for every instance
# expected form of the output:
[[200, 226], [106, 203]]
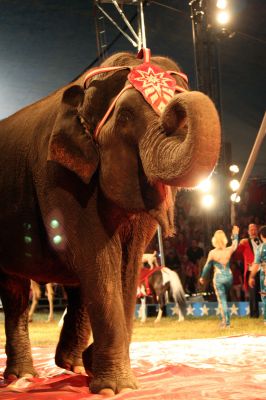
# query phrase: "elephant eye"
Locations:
[[124, 116]]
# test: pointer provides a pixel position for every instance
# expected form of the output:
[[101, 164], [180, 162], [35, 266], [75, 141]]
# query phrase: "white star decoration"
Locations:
[[218, 310], [175, 310], [234, 309], [247, 310], [190, 310], [204, 310], [157, 81]]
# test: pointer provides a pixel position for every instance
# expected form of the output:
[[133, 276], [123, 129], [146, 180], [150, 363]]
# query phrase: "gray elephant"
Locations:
[[87, 174]]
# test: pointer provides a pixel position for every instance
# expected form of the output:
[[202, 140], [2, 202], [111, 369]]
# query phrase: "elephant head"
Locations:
[[140, 150]]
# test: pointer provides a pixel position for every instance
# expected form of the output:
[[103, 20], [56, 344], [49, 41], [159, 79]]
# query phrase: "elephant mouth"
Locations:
[[164, 212], [158, 202]]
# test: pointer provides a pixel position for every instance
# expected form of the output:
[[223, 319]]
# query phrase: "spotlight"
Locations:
[[223, 17], [207, 201], [234, 184], [234, 198], [204, 186], [234, 169], [222, 4]]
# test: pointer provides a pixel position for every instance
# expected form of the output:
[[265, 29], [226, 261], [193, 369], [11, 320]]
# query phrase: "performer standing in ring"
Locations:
[[246, 250], [260, 263], [218, 258]]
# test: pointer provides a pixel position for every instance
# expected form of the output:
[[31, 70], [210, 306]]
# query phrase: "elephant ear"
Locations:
[[69, 144]]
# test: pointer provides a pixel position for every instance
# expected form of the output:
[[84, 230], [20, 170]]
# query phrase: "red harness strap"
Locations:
[[145, 273]]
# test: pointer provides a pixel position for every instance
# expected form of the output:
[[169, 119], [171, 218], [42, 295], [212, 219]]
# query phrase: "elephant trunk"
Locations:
[[182, 147]]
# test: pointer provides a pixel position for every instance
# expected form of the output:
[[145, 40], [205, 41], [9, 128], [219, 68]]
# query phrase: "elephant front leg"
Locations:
[[109, 361], [14, 293], [110, 357], [74, 335]]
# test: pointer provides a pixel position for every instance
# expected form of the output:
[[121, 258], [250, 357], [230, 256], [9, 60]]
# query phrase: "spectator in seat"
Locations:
[[191, 272], [172, 260], [194, 252], [236, 289]]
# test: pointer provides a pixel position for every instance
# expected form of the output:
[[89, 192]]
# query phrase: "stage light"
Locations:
[[234, 198], [234, 184], [204, 186], [223, 17], [222, 4], [207, 201], [234, 169]]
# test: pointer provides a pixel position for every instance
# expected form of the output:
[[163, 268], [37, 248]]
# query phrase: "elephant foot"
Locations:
[[15, 370], [109, 385], [68, 360], [105, 380]]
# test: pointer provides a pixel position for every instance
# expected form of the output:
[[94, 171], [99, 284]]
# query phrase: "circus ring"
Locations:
[[230, 367]]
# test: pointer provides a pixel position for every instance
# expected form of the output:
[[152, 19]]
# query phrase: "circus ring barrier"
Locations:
[[199, 309]]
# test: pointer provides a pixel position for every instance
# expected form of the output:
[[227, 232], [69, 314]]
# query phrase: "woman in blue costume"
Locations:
[[219, 260], [260, 263]]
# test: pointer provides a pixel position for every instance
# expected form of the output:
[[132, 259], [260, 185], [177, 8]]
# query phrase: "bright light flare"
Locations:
[[222, 4], [234, 198], [223, 17], [54, 223], [234, 169], [207, 201], [204, 186], [234, 184]]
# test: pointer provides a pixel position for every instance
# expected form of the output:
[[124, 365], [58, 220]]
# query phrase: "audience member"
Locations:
[[194, 252], [181, 244], [236, 289], [172, 260], [191, 272]]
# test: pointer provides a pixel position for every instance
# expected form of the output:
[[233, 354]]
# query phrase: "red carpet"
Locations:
[[222, 368]]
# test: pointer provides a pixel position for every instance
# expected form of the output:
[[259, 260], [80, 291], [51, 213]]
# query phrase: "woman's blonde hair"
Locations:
[[219, 239]]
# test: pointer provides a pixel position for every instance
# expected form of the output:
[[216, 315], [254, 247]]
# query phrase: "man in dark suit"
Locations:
[[246, 249]]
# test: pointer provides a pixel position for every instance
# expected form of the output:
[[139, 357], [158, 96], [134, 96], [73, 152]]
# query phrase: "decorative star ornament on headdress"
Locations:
[[155, 85]]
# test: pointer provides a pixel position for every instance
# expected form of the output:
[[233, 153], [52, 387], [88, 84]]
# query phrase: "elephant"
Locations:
[[87, 174]]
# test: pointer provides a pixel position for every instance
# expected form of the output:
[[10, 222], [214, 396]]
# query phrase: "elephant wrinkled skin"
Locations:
[[80, 211]]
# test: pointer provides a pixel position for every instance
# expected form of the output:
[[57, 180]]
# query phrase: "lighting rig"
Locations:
[[116, 13]]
